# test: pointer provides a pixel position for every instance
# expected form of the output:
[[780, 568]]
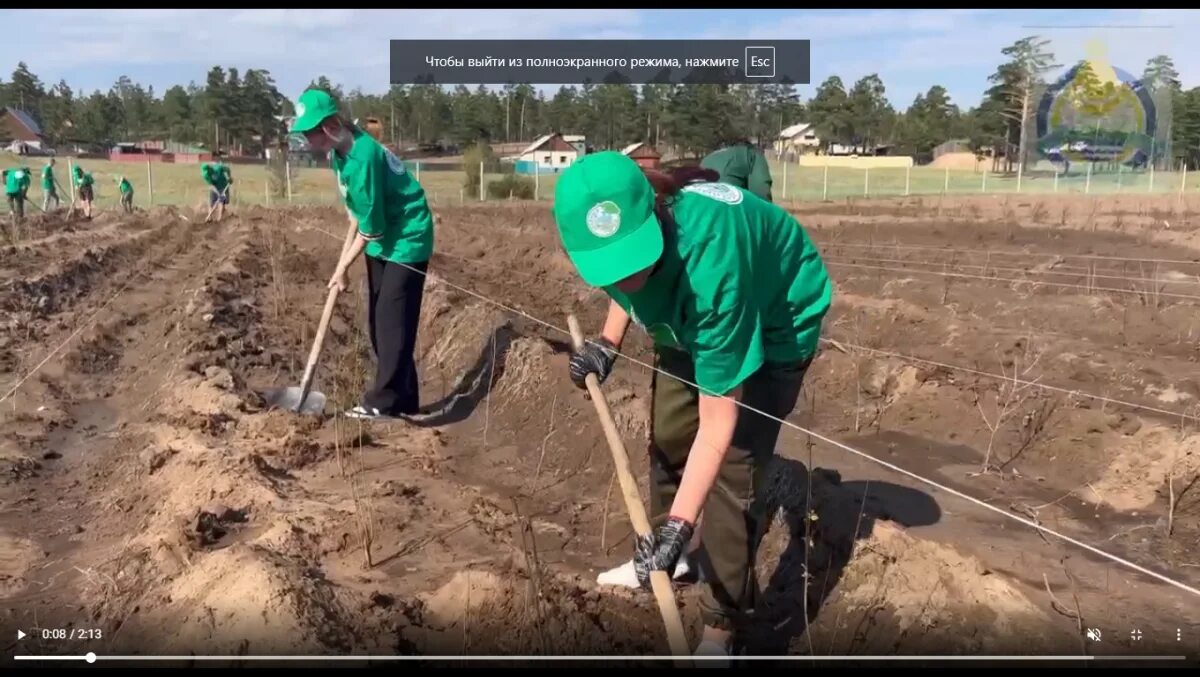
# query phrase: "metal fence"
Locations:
[[793, 182], [451, 183]]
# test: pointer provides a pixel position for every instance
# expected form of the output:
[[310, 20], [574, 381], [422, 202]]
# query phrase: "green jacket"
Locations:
[[742, 165]]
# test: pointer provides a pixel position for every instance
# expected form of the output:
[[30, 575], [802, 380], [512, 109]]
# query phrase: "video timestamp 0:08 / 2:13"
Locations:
[[72, 633]]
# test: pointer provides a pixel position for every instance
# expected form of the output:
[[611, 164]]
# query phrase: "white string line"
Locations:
[[891, 466], [1090, 268], [90, 322], [1057, 389], [1000, 377], [1003, 252], [1025, 271], [1093, 290]]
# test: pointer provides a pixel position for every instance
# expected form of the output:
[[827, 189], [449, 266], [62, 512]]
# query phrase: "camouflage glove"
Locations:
[[596, 357], [660, 550]]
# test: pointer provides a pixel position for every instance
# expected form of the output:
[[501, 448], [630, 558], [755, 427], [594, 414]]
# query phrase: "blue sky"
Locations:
[[909, 49]]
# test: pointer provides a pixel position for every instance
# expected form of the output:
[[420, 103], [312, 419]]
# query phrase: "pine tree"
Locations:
[[1162, 81], [26, 91], [830, 112], [1021, 79]]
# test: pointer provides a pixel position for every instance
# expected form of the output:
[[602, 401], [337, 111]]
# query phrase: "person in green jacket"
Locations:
[[733, 294], [85, 185], [391, 223], [126, 189], [743, 165], [16, 186], [49, 187], [220, 182]]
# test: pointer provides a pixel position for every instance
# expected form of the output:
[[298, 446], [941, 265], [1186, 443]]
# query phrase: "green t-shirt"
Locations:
[[216, 175], [15, 181], [47, 178], [83, 179], [743, 166], [386, 200], [739, 284], [126, 187]]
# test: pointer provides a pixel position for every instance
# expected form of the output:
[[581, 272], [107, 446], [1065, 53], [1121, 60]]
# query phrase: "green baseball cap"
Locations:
[[312, 108], [604, 209]]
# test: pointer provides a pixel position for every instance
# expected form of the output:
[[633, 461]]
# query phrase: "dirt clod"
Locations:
[[154, 458], [219, 377]]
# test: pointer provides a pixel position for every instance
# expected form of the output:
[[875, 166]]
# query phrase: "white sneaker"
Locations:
[[715, 655], [625, 575]]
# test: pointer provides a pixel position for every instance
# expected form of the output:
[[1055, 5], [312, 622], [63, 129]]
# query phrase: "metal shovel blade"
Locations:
[[290, 399]]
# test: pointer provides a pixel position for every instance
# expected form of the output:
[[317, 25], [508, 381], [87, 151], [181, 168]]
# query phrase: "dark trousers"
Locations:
[[16, 204], [394, 310], [734, 519]]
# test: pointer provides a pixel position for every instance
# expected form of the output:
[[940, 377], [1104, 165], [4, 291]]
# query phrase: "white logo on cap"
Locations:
[[604, 219], [299, 109], [720, 192]]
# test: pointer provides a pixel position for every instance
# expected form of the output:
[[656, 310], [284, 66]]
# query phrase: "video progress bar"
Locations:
[[92, 658]]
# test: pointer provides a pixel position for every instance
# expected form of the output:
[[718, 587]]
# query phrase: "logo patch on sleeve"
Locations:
[[394, 163]]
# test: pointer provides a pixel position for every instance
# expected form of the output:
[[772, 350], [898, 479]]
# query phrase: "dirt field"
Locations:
[[1039, 356]]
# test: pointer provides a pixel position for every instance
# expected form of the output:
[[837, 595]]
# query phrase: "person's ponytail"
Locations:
[[667, 184]]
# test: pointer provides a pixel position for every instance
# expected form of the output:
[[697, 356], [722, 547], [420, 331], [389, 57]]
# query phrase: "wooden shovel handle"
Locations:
[[660, 581], [318, 342]]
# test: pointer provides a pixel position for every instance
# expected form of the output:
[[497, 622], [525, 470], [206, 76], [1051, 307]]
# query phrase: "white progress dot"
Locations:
[[90, 657]]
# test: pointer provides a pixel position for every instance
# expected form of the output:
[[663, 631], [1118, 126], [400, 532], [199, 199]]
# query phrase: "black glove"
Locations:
[[596, 357], [660, 550]]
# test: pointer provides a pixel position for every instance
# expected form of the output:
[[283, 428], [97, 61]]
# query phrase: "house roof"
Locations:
[[640, 145], [795, 130], [537, 143], [554, 142], [24, 118]]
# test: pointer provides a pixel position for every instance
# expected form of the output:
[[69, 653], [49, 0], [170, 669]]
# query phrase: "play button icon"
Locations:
[[20, 635]]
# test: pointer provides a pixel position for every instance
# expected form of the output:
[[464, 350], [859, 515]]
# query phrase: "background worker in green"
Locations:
[[16, 185], [390, 222], [220, 182], [126, 189], [733, 293], [742, 164], [49, 187], [85, 185]]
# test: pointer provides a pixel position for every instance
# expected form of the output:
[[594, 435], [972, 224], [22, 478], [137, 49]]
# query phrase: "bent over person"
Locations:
[[87, 192], [16, 187], [391, 223], [219, 180], [733, 294], [741, 164]]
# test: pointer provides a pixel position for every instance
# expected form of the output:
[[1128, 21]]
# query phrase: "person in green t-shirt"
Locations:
[[391, 223], [126, 189], [85, 186], [49, 187], [220, 181], [741, 164], [16, 186], [733, 294]]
